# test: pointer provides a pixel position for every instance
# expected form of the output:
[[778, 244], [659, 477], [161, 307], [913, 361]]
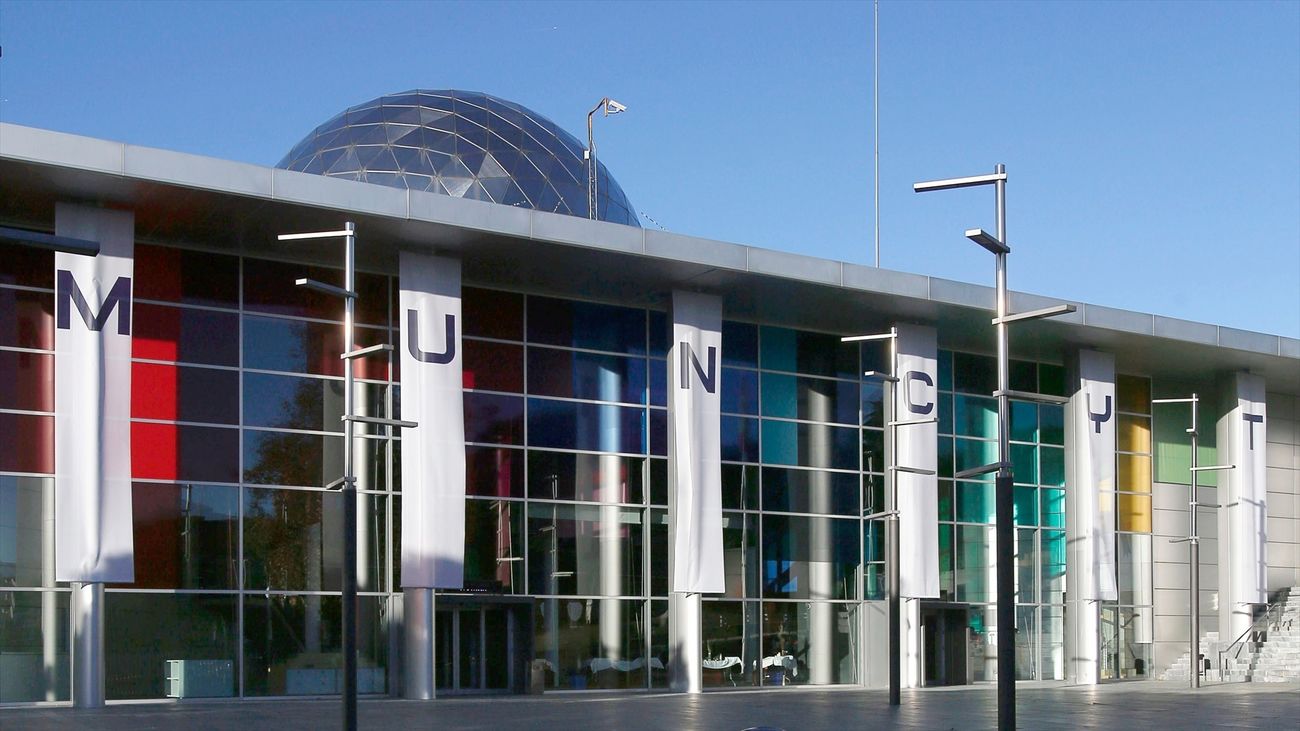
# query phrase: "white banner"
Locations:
[[1093, 408], [694, 443], [92, 398], [433, 453], [917, 398], [1247, 496]]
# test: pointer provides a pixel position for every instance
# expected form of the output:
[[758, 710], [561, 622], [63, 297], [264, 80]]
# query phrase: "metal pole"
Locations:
[[876, 109], [1195, 569], [1005, 506], [891, 536], [349, 495], [591, 166]]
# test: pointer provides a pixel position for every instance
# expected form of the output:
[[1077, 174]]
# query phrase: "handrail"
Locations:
[[1254, 631]]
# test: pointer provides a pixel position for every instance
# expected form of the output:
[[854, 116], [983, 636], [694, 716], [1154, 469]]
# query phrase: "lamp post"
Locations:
[[890, 514], [610, 107], [1193, 541], [348, 482], [1005, 505]]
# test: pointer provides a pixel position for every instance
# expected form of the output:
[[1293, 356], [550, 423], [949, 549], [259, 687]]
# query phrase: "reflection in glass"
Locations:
[[584, 550], [494, 546], [26, 541], [807, 643], [594, 643], [591, 427], [293, 540], [186, 536], [292, 644], [740, 554], [730, 640], [809, 557], [147, 630], [810, 491], [584, 477], [34, 645]]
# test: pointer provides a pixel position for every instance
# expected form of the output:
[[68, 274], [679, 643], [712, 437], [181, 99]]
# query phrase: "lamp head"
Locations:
[[613, 107]]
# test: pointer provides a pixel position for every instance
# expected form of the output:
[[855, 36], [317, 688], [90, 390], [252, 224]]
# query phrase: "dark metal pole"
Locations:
[[349, 497], [1195, 569], [1006, 535], [891, 536]]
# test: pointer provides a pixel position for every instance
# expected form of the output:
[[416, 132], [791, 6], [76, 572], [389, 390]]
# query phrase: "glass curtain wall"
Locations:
[[967, 570], [1127, 630]]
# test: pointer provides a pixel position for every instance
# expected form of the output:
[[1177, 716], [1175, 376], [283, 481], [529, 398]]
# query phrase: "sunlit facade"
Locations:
[[237, 390]]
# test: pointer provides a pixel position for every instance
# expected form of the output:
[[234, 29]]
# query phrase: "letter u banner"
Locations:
[[916, 400], [433, 453], [92, 398], [694, 444], [1092, 482]]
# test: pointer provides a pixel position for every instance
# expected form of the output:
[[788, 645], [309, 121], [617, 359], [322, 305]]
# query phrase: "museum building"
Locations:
[[220, 557]]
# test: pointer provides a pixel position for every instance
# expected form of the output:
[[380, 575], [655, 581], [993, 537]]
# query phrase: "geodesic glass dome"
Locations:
[[464, 144]]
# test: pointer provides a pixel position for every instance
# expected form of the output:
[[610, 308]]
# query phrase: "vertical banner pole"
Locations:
[[349, 495]]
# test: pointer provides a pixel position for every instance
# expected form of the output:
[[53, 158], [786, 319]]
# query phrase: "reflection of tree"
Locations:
[[284, 458]]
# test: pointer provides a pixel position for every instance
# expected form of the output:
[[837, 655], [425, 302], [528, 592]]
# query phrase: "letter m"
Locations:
[[69, 294], [708, 377]]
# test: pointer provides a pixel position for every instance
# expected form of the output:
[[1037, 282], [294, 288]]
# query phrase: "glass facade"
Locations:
[[237, 392], [463, 144]]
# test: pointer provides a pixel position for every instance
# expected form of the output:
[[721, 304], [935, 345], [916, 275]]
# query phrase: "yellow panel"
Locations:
[[1134, 434], [1134, 473], [1135, 513], [1134, 393]]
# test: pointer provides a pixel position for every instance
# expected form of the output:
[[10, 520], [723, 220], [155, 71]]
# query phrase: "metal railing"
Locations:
[[1254, 636]]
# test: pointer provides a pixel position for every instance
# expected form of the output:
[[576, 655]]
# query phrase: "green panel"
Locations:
[[1024, 464], [1051, 424], [945, 370], [1051, 379], [1172, 446], [780, 442], [975, 453], [945, 500], [778, 349], [1052, 466], [1024, 421], [780, 396], [975, 416], [1053, 507], [1026, 502], [975, 502]]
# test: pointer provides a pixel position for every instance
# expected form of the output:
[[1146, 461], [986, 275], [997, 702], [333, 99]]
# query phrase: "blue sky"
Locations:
[[1153, 148]]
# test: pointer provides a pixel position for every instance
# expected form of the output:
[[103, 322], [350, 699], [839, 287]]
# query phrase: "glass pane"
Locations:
[[740, 554], [739, 344], [972, 453], [1133, 434], [1024, 421], [27, 319], [730, 635], [739, 391], [810, 399], [296, 346], [1134, 472], [1026, 643], [188, 453], [493, 366], [814, 354], [976, 572], [1026, 568], [182, 393], [190, 277], [739, 439], [594, 427], [1133, 393], [26, 381], [873, 405], [586, 325], [34, 670], [585, 550], [808, 491], [807, 643], [1053, 507], [186, 536], [570, 374], [739, 487], [269, 287], [1134, 513], [492, 314], [1052, 466], [974, 373], [494, 546], [188, 636], [1053, 566], [293, 540], [810, 445], [604, 478], [285, 458], [594, 643], [1024, 463], [809, 557], [26, 516], [1051, 424], [1026, 505], [26, 443], [494, 471], [1051, 379], [26, 266], [494, 419], [292, 645], [976, 416], [975, 502]]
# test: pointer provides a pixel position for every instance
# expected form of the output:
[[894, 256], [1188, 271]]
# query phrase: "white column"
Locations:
[[1241, 437], [418, 638]]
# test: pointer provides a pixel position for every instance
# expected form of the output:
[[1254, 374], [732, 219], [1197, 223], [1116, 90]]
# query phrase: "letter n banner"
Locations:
[[694, 444], [92, 398], [433, 453]]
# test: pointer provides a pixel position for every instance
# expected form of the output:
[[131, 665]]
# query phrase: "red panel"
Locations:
[[26, 381], [154, 451], [27, 319], [26, 443], [157, 332], [154, 390], [493, 366]]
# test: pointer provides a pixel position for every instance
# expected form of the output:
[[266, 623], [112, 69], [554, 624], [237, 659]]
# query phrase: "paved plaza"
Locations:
[[1143, 705]]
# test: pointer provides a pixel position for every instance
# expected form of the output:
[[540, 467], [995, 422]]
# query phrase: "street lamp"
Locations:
[[890, 514], [348, 482], [610, 107], [1193, 541], [1005, 505]]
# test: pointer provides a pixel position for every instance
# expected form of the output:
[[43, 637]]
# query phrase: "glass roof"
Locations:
[[464, 144]]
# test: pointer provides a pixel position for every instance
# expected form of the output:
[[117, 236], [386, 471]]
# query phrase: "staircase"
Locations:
[[1269, 653]]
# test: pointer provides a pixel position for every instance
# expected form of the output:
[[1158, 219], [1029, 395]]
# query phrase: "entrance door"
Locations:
[[944, 643], [474, 648]]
